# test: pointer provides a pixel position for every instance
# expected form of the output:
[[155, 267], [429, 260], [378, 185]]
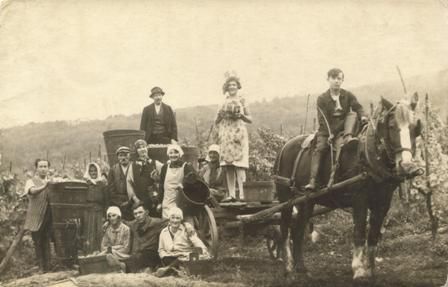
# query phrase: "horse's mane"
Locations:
[[402, 113]]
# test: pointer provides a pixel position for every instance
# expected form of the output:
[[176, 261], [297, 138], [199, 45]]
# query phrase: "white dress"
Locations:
[[232, 134]]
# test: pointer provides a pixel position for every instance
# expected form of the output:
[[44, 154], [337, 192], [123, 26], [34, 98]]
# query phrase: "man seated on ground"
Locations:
[[178, 242], [117, 237], [213, 174], [145, 232]]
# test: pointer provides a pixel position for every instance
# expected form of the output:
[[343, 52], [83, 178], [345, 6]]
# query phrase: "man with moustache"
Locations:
[[158, 120], [119, 189]]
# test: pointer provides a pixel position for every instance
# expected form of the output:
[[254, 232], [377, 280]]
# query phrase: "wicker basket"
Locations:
[[93, 264]]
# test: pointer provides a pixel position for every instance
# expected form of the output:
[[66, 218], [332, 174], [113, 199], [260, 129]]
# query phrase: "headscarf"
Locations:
[[140, 142], [174, 147], [215, 148], [98, 170], [114, 210], [175, 211]]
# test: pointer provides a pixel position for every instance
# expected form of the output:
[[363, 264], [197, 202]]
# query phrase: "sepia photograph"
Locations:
[[223, 143]]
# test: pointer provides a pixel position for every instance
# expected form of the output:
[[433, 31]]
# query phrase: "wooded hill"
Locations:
[[21, 145]]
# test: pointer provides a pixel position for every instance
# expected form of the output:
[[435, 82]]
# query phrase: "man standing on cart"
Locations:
[[158, 120], [338, 111]]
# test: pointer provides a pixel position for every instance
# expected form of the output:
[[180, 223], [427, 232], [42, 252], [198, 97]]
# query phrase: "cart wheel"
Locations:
[[205, 224], [273, 243]]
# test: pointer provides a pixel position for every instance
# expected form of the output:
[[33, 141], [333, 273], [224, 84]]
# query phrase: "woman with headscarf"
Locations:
[[213, 174], [116, 243], [93, 174], [233, 137], [171, 178], [176, 242], [96, 196]]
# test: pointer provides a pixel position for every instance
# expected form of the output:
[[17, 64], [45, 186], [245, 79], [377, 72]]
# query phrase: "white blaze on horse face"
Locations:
[[405, 140]]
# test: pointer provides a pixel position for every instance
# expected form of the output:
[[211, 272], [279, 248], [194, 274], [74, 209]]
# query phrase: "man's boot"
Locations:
[[314, 170], [349, 129]]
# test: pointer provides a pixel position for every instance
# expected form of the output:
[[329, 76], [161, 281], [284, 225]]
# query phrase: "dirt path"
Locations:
[[405, 259]]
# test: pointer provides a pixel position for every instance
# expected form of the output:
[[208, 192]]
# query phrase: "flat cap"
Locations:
[[123, 149]]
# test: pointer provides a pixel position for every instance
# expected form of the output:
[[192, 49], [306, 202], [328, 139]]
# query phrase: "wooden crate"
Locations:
[[259, 191], [93, 264]]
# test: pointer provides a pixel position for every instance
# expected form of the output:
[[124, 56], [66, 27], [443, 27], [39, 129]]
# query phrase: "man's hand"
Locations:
[[364, 120], [105, 225], [189, 229], [155, 175], [173, 141], [330, 139]]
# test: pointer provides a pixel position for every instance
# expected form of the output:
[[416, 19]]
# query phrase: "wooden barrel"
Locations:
[[191, 154], [69, 208], [116, 138]]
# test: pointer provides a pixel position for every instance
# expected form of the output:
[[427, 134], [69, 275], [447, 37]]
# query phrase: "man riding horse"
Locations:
[[381, 161], [338, 111]]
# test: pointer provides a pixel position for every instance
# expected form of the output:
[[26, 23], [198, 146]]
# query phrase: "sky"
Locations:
[[89, 59]]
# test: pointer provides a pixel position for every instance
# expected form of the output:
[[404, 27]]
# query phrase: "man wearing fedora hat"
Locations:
[[158, 120]]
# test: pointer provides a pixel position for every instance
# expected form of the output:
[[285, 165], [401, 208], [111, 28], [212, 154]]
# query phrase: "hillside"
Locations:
[[77, 139]]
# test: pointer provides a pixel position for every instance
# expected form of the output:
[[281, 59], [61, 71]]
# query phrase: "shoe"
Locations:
[[311, 185], [162, 271], [350, 142], [228, 199]]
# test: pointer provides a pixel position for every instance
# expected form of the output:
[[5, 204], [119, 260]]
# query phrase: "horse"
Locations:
[[384, 154]]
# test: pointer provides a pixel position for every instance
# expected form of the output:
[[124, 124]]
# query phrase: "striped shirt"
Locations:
[[37, 204]]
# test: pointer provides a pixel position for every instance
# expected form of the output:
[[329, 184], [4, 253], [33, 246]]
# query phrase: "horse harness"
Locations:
[[374, 153]]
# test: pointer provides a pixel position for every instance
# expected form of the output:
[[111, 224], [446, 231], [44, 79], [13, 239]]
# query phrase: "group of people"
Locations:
[[230, 152], [145, 227]]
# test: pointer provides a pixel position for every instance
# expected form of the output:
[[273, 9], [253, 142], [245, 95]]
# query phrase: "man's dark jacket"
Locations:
[[116, 186], [169, 120], [145, 235], [326, 103]]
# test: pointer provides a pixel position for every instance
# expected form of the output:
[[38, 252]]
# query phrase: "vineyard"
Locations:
[[411, 221]]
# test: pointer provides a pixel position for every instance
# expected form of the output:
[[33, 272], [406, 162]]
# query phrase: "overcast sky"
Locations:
[[91, 59]]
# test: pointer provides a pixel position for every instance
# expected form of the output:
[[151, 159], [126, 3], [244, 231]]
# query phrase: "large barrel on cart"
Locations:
[[116, 138]]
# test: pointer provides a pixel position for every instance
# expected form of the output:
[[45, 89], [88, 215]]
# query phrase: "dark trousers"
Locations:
[[41, 239], [142, 259], [167, 260], [159, 139]]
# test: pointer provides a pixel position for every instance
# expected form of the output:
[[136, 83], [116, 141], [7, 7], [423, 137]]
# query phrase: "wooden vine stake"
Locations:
[[428, 194]]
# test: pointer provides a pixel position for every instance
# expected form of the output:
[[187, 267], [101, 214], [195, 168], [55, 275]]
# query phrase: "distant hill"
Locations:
[[78, 139]]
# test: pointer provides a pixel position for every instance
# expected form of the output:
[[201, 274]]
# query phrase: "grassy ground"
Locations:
[[407, 257]]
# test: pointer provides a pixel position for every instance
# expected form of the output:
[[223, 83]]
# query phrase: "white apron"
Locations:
[[173, 179]]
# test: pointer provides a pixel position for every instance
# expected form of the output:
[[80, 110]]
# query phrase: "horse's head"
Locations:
[[398, 127]]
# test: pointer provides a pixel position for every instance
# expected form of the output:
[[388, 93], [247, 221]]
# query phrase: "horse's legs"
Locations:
[[285, 224], [378, 212], [305, 212], [360, 208]]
